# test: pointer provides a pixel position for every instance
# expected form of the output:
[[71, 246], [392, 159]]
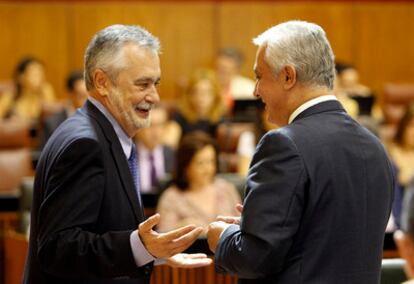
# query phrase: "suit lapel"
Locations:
[[119, 157]]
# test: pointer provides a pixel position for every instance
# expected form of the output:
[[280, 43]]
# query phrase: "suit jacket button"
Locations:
[[147, 270]]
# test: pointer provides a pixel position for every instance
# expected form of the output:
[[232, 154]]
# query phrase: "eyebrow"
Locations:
[[147, 79]]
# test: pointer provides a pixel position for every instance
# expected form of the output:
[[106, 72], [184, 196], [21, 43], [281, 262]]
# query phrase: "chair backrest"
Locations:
[[14, 134], [228, 135], [392, 271], [396, 98], [14, 165], [25, 203]]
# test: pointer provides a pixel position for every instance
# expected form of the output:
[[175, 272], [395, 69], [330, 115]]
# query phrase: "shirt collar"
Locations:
[[145, 152], [124, 139], [309, 104]]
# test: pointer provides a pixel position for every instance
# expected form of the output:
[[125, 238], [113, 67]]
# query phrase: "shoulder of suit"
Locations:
[[76, 127]]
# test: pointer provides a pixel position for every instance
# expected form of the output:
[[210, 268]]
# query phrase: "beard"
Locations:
[[128, 112]]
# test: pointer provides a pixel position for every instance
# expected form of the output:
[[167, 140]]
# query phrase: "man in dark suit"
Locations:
[[87, 217], [318, 194]]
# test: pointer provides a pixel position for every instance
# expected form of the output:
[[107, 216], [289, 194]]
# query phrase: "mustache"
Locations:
[[144, 105]]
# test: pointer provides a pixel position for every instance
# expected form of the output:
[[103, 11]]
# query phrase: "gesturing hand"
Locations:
[[164, 245], [184, 260]]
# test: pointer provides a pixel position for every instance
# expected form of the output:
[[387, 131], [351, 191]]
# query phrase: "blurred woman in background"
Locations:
[[402, 149], [197, 196], [200, 108], [33, 94]]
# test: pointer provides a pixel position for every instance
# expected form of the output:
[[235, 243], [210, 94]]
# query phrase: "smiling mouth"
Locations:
[[144, 111]]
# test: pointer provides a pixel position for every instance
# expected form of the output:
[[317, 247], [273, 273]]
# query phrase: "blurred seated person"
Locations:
[[200, 107], [33, 94], [402, 148], [77, 95], [6, 99], [156, 160], [233, 85], [348, 80], [404, 238], [248, 141], [348, 84], [197, 196], [350, 105]]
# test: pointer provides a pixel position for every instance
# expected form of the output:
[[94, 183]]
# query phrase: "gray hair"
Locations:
[[304, 46], [103, 51], [407, 215]]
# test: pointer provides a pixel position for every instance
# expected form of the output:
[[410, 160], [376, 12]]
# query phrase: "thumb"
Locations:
[[148, 224]]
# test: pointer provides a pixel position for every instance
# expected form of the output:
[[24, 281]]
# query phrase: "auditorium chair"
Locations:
[[228, 134], [395, 99], [25, 203], [14, 134], [16, 247], [392, 271], [164, 274], [14, 165]]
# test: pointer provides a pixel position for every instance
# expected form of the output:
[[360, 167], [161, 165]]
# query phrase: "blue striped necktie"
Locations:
[[133, 167]]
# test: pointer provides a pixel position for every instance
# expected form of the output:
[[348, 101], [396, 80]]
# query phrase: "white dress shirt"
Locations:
[[145, 166], [309, 104]]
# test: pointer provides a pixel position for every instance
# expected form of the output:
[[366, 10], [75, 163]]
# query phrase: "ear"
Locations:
[[289, 77], [102, 82]]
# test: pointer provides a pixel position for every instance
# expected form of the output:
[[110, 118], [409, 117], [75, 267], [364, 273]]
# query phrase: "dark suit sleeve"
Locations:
[[272, 211], [73, 194]]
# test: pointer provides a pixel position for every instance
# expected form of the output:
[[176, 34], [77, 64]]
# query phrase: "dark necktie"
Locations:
[[133, 167], [153, 172]]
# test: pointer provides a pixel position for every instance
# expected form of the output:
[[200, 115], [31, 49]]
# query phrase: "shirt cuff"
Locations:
[[140, 253], [222, 232]]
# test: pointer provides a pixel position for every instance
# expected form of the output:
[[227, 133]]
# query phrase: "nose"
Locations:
[[153, 96]]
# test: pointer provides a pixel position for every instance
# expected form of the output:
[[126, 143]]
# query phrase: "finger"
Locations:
[[177, 233], [239, 207], [173, 246], [194, 255], [198, 263], [226, 219], [148, 224], [185, 241]]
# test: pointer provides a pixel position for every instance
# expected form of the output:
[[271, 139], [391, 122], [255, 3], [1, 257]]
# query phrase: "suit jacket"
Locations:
[[318, 197], [50, 125], [84, 207]]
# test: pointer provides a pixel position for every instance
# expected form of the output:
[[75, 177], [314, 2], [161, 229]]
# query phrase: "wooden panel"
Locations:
[[16, 247], [385, 50], [164, 274], [38, 30], [373, 35], [185, 32]]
